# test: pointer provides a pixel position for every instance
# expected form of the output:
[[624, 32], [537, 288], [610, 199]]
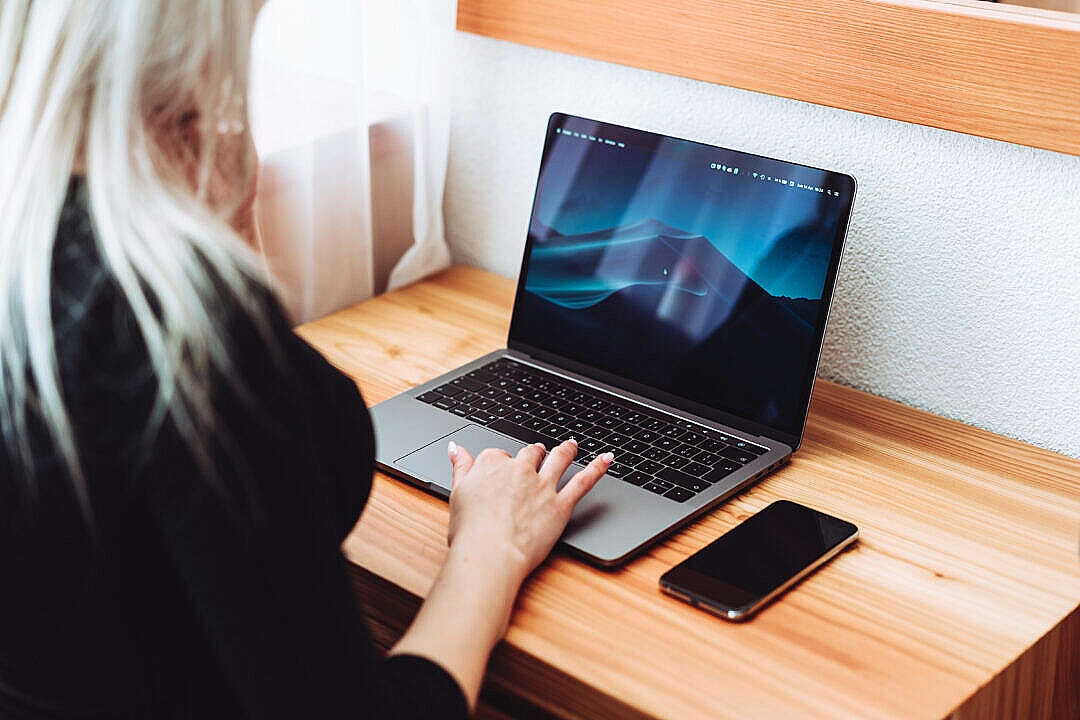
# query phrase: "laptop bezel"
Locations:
[[718, 415]]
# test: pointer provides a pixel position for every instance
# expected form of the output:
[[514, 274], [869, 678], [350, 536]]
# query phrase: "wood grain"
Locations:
[[1008, 73], [967, 559]]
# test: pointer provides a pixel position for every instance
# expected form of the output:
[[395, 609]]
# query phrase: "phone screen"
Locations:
[[745, 566]]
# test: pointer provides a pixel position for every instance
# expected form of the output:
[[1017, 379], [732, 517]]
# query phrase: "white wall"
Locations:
[[960, 288]]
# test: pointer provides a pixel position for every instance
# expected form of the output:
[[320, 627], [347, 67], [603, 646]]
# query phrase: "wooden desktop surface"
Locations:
[[959, 599]]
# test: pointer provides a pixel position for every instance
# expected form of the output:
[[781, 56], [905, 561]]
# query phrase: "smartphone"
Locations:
[[742, 570]]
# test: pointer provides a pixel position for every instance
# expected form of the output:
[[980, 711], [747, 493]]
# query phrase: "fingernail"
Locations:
[[541, 446], [572, 440], [451, 450], [607, 457]]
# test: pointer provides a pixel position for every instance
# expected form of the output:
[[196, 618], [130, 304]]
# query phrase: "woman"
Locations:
[[178, 469]]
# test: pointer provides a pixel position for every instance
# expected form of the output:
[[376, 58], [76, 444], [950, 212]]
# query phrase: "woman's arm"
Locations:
[[505, 516]]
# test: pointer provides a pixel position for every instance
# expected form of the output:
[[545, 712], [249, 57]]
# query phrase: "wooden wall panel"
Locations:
[[1007, 73]]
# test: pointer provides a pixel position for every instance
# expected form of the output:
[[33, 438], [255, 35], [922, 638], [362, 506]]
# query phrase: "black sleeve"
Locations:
[[255, 541]]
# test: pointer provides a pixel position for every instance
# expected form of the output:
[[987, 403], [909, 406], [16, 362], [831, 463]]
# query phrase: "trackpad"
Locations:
[[431, 464]]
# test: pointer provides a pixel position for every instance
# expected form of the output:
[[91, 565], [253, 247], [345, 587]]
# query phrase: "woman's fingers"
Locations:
[[584, 480], [532, 455], [461, 460], [558, 460]]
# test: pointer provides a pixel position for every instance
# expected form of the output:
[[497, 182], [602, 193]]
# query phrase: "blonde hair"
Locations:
[[134, 92]]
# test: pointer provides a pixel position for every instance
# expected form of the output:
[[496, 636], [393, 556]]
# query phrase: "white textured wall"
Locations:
[[960, 287]]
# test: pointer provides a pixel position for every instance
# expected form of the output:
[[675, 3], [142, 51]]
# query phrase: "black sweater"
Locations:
[[193, 594]]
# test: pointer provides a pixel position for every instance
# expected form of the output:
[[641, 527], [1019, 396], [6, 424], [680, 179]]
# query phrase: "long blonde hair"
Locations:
[[113, 86]]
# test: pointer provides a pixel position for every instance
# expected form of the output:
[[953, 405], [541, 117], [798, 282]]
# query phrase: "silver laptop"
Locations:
[[671, 306]]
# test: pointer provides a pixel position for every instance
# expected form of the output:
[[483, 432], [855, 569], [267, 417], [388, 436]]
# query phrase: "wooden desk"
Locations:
[[960, 599]]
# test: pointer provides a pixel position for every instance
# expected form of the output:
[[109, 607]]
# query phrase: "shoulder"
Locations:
[[107, 378]]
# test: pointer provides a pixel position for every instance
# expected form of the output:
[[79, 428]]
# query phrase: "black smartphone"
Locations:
[[742, 570]]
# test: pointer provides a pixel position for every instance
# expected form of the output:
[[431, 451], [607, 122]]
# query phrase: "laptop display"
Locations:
[[700, 272]]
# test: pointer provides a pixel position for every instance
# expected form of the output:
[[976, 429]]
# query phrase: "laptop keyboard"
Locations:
[[661, 454]]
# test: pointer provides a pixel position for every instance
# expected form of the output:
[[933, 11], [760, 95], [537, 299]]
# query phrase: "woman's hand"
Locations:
[[505, 515], [510, 508]]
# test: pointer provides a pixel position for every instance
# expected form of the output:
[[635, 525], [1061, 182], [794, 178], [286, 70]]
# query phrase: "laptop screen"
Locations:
[[700, 272]]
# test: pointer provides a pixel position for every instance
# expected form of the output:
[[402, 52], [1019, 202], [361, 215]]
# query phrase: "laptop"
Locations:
[[670, 308]]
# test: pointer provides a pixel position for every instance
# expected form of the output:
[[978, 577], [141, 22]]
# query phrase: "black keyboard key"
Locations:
[[491, 393], [524, 405], [608, 422], [712, 446], [572, 409], [681, 479], [565, 435], [535, 423], [561, 418], [634, 417], [673, 432], [655, 453], [480, 376], [753, 449], [646, 436], [637, 478], [739, 456], [654, 487], [483, 418], [466, 384], [545, 386], [676, 461], [445, 404], [579, 426], [649, 466], [689, 452], [630, 459], [667, 443], [483, 404], [536, 396], [599, 433], [626, 428], [449, 389], [596, 404], [500, 410], [518, 417], [463, 410], [709, 459], [686, 425], [429, 397], [696, 469], [663, 483], [556, 402], [543, 412], [652, 424], [692, 438], [720, 471], [617, 470], [522, 433], [553, 430], [579, 398], [678, 494], [636, 446], [503, 384], [617, 440], [616, 411], [589, 415], [590, 445]]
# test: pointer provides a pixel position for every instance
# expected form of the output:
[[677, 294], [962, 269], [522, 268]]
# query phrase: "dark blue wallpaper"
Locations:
[[696, 270]]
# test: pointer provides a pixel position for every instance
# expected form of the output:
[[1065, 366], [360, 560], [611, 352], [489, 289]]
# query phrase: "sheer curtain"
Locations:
[[352, 126]]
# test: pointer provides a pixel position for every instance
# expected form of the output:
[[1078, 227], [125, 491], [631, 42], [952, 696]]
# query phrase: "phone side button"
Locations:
[[676, 593]]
